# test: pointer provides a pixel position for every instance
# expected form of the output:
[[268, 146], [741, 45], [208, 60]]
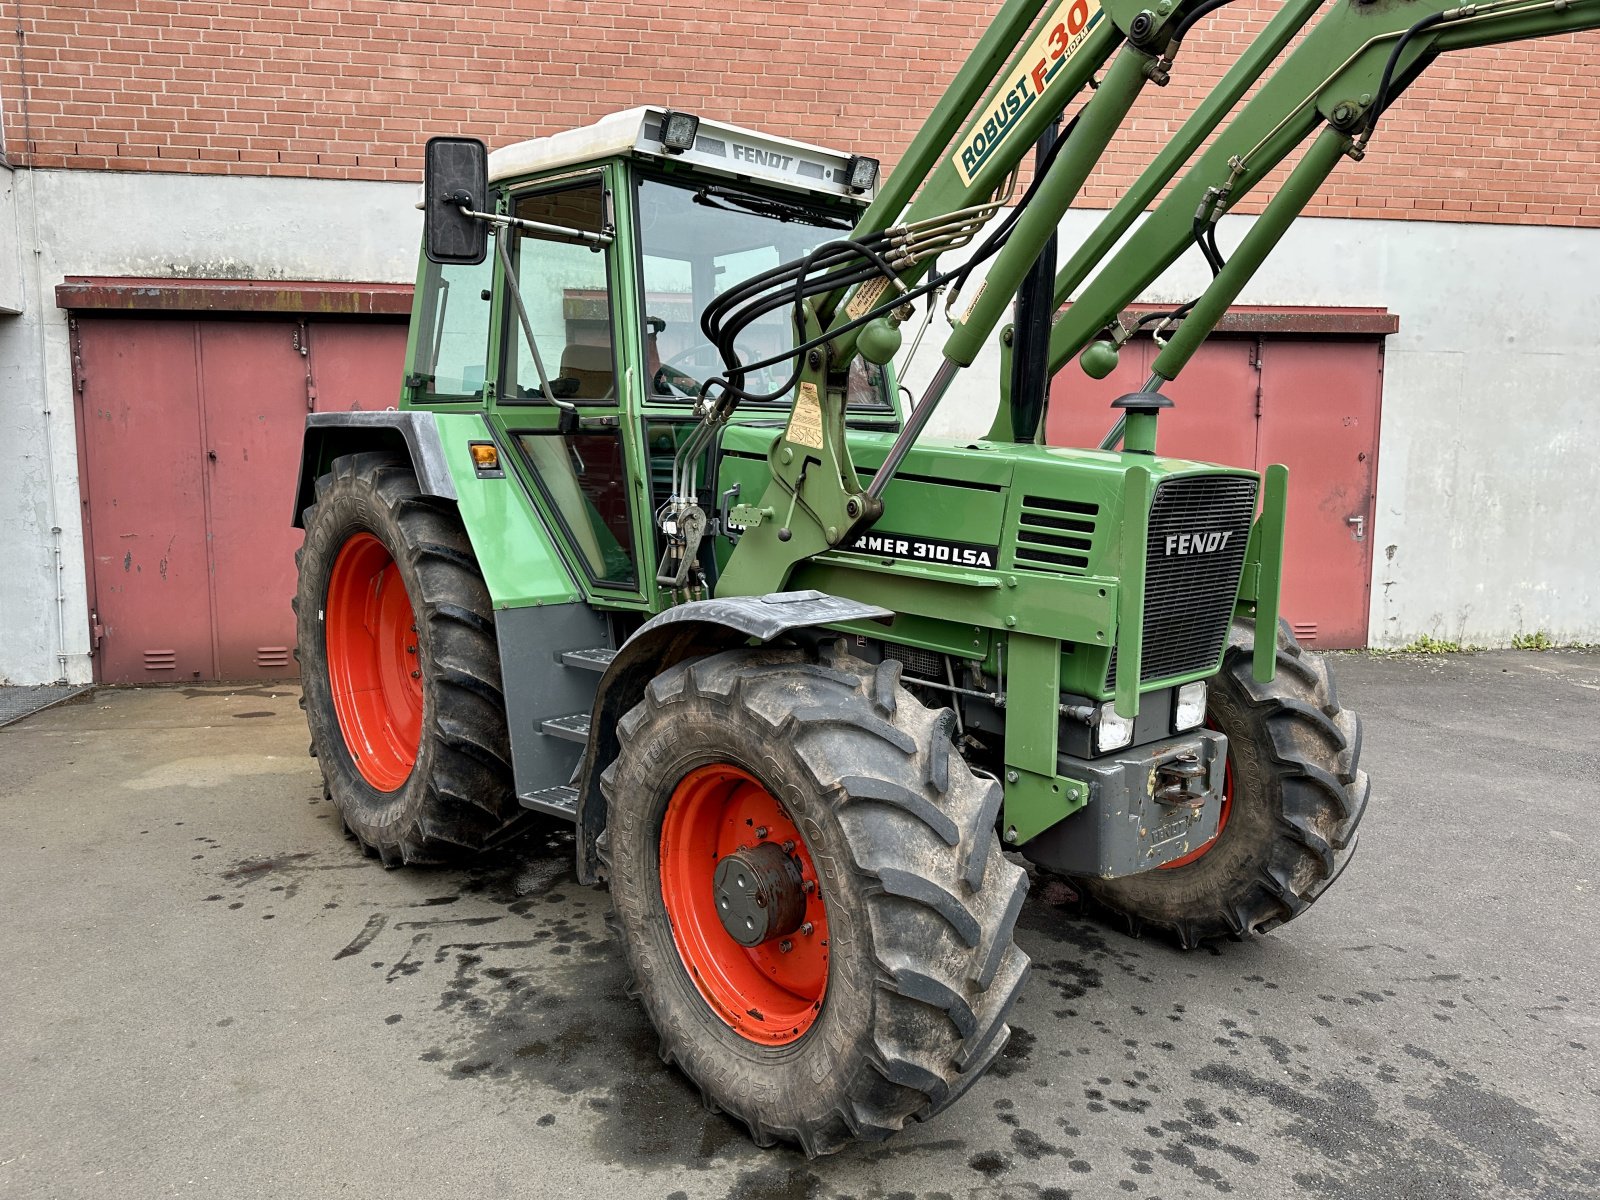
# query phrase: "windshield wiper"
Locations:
[[766, 206]]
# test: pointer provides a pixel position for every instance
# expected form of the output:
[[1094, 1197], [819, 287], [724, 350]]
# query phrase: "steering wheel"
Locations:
[[673, 375], [668, 376]]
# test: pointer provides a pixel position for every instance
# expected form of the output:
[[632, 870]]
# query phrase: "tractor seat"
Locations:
[[593, 369]]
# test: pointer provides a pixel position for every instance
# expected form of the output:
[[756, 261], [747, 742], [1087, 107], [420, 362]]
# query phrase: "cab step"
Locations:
[[597, 659], [574, 728], [559, 801]]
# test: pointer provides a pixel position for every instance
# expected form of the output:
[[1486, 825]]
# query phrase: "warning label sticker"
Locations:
[[867, 296], [805, 423]]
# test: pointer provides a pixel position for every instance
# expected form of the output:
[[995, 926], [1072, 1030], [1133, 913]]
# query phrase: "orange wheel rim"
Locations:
[[374, 668], [1204, 848], [768, 994]]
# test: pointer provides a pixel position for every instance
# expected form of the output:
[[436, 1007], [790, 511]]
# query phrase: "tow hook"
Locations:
[[1180, 781]]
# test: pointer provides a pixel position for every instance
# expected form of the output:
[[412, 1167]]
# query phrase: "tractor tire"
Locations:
[[893, 997], [399, 668], [1294, 796]]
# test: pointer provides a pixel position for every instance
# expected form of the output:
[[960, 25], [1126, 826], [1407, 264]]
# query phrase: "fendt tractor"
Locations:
[[652, 545]]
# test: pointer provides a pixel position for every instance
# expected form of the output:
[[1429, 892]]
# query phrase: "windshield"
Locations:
[[698, 240]]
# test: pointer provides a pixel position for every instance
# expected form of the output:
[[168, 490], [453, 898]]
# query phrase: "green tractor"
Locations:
[[652, 545]]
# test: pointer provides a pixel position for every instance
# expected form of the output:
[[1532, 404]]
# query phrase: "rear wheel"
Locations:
[[399, 667], [810, 894], [1294, 795]]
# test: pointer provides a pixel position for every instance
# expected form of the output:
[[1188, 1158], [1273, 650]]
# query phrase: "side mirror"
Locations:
[[455, 174]]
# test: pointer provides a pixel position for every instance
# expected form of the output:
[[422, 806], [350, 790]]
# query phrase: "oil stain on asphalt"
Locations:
[[1133, 1068]]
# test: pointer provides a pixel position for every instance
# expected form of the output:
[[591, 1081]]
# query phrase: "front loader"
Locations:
[[653, 544]]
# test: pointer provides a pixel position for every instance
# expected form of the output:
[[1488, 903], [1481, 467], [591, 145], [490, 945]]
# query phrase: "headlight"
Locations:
[[1111, 732], [861, 173], [1191, 708], [678, 130]]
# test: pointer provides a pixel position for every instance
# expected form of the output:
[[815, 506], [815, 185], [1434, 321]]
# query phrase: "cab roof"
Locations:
[[724, 149]]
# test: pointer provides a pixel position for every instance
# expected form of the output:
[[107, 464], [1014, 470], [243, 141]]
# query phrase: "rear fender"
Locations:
[[686, 631], [412, 435]]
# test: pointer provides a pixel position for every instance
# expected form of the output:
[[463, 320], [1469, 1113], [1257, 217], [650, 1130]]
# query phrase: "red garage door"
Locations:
[[189, 447], [1299, 388]]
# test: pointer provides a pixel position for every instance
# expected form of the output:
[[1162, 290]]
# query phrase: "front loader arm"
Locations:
[[1025, 70], [1331, 80], [1354, 61]]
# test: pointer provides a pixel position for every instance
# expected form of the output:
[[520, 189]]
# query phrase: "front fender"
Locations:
[[686, 631], [412, 434]]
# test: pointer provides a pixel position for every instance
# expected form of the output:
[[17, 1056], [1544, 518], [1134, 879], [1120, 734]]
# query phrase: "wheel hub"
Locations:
[[759, 893], [725, 837]]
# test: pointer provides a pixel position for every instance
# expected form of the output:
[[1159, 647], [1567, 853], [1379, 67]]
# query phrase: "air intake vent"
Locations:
[[924, 664], [1055, 535], [1199, 528]]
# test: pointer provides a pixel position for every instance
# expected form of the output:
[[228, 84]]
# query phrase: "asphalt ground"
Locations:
[[207, 991]]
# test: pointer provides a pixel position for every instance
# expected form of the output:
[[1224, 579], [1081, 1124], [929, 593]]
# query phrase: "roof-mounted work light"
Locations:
[[678, 130], [861, 173]]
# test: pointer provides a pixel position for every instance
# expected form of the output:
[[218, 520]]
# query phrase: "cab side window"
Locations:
[[566, 288], [585, 478], [566, 294], [452, 332]]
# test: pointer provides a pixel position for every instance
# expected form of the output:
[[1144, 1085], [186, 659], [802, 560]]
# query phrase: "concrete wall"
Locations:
[[11, 262], [1486, 469], [112, 223]]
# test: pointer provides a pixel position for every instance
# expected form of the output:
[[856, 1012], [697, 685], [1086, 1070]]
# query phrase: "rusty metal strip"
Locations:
[[88, 294]]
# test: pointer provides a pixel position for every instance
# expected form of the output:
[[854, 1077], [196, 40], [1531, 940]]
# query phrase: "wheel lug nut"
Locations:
[[411, 649], [785, 946], [788, 847], [416, 674], [810, 885], [806, 929], [761, 831]]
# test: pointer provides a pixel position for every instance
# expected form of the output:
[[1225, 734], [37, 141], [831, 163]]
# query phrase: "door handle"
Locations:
[[1358, 527]]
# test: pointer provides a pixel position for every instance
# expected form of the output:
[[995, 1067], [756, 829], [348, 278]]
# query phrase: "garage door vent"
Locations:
[[160, 660], [272, 658]]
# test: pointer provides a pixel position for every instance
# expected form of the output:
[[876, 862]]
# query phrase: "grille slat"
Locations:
[[1055, 535], [1189, 597]]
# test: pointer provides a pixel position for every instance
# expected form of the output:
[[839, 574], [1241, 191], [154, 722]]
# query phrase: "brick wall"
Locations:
[[350, 89]]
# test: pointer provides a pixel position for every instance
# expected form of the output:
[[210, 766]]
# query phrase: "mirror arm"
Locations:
[[559, 233]]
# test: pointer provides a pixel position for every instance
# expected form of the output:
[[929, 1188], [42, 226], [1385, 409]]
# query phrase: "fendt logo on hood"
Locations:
[[1196, 543]]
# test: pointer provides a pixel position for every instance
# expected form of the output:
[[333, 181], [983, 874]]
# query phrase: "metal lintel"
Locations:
[[100, 293], [1275, 321]]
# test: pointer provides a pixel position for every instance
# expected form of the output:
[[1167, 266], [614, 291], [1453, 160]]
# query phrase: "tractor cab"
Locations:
[[571, 317]]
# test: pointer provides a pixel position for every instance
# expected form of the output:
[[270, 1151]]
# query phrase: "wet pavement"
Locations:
[[207, 991]]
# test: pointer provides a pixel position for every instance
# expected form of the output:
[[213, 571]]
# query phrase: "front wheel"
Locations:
[[1295, 794], [810, 893]]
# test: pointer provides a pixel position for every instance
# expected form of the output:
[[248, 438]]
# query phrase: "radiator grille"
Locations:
[[1055, 535], [1189, 598]]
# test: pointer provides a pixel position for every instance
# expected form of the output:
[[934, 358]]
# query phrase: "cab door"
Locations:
[[564, 389]]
